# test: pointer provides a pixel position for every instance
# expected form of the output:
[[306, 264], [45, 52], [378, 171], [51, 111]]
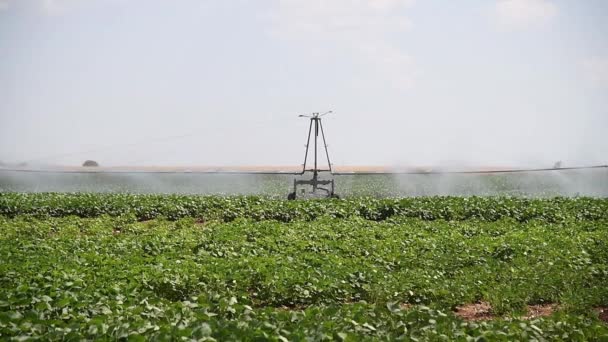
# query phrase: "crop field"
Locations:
[[571, 183], [159, 267]]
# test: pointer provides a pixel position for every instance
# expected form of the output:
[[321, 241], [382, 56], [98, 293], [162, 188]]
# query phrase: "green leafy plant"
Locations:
[[151, 267]]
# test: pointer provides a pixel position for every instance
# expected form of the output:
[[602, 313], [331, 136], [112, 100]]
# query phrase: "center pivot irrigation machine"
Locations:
[[309, 183], [318, 185]]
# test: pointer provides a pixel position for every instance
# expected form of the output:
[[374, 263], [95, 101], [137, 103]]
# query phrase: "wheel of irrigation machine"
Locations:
[[291, 196]]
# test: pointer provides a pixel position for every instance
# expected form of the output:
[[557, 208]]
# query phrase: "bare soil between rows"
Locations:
[[602, 313], [482, 311]]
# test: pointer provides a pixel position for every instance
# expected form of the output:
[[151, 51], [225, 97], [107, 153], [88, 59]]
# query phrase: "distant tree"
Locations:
[[90, 163], [557, 165]]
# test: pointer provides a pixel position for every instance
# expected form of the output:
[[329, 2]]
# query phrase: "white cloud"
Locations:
[[58, 7], [363, 28], [48, 7], [521, 14], [53, 6], [596, 70], [338, 19]]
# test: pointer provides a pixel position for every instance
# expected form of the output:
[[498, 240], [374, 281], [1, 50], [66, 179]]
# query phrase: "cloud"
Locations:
[[338, 19], [58, 7], [54, 6], [47, 7], [522, 14], [365, 29], [596, 69]]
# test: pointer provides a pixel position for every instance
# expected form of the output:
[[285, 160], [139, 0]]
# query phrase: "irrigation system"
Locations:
[[321, 182], [317, 189]]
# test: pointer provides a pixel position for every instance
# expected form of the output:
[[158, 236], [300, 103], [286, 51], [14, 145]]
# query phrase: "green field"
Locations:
[[152, 267]]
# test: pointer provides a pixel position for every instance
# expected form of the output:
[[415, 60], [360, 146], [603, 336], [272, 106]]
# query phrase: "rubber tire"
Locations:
[[291, 196], [336, 196]]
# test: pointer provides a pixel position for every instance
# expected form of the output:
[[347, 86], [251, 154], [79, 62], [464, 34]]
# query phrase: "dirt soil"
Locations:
[[405, 306], [481, 311], [542, 310], [603, 313]]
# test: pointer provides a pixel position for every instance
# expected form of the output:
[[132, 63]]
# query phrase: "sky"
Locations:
[[410, 82]]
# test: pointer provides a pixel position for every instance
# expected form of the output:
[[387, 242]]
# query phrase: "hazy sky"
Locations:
[[410, 82]]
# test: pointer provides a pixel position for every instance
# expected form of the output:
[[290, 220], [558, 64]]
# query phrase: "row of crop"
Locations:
[[114, 278], [232, 321], [324, 262], [260, 208]]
